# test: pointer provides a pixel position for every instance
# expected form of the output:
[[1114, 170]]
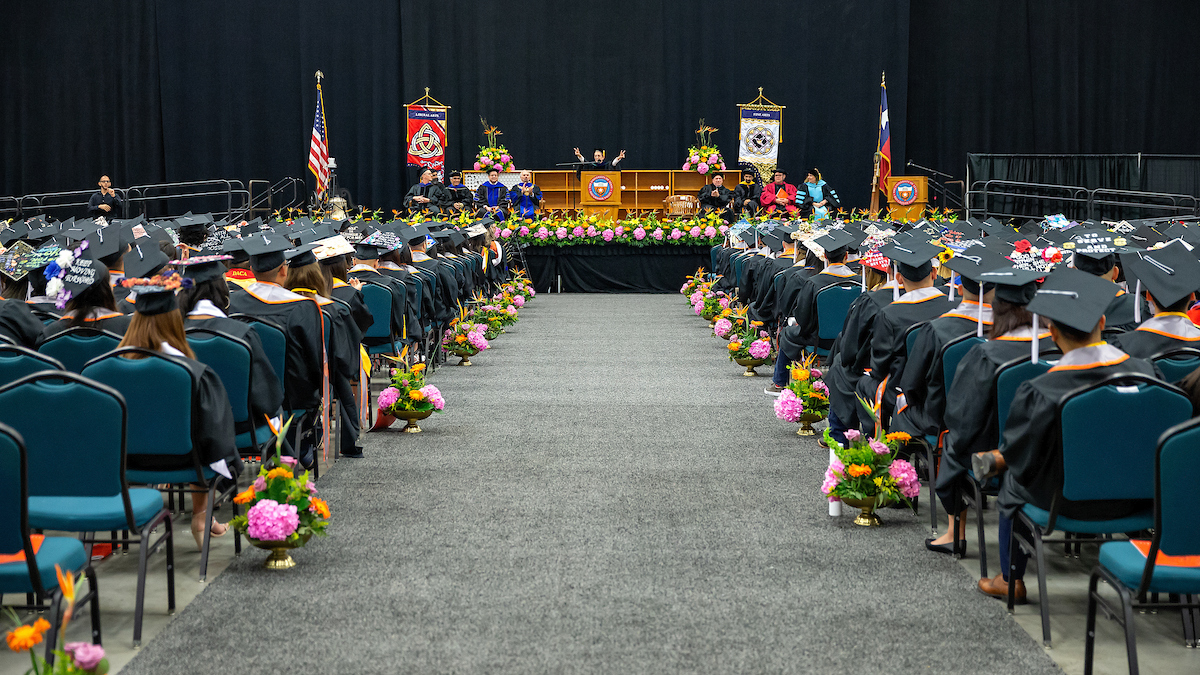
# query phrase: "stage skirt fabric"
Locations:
[[614, 268]]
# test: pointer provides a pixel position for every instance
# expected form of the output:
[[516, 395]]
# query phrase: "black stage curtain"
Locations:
[[613, 268], [162, 90], [1071, 76]]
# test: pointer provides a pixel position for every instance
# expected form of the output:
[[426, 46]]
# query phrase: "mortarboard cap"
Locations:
[[835, 243], [974, 261], [301, 256], [332, 249], [1013, 285], [388, 241], [265, 250], [1170, 273], [13, 262], [364, 251], [144, 259], [912, 256], [1074, 298], [81, 275], [156, 295], [1095, 251], [773, 241], [201, 268]]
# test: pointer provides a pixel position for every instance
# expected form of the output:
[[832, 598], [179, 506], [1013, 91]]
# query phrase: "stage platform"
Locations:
[[613, 268]]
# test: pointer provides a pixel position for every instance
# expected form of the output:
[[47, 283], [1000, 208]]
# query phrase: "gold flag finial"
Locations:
[[319, 75]]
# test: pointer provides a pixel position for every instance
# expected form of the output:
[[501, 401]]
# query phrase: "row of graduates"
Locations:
[[1092, 326], [812, 198], [492, 199]]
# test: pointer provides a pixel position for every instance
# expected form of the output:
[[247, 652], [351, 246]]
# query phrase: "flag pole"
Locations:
[[878, 138]]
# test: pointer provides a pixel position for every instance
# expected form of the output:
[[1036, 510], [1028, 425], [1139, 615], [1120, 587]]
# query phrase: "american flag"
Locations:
[[885, 140], [318, 149]]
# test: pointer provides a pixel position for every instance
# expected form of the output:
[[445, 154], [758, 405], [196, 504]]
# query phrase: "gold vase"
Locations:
[[465, 355], [411, 416], [806, 422], [866, 516], [750, 365], [280, 558]]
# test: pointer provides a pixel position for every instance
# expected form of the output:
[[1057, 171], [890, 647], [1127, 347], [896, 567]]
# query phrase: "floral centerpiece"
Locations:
[[409, 397], [806, 398], [493, 155], [866, 473], [465, 339], [635, 231], [493, 316], [693, 282], [71, 658], [749, 345], [282, 510], [711, 304], [704, 157]]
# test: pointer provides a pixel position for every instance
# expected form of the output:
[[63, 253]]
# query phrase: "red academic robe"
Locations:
[[768, 198]]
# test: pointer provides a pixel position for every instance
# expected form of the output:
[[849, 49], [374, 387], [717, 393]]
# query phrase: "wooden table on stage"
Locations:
[[642, 190]]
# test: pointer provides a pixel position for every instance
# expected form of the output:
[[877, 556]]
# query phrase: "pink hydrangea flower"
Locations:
[[815, 373], [657, 234], [607, 235], [698, 306], [694, 158], [478, 166], [763, 334], [388, 398], [723, 229], [519, 300], [695, 231], [676, 234], [578, 231], [759, 349], [788, 406], [620, 230], [561, 233], [709, 232], [542, 233], [290, 461], [85, 655], [434, 396], [831, 482], [724, 303], [523, 231], [722, 166], [505, 158], [906, 478], [505, 234], [591, 231], [311, 487], [702, 167], [821, 387], [639, 234], [268, 520], [713, 159], [687, 166], [477, 340], [485, 160], [696, 297], [479, 328], [722, 327], [852, 435]]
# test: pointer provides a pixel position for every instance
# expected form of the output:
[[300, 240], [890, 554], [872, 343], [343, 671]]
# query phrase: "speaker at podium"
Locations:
[[600, 193]]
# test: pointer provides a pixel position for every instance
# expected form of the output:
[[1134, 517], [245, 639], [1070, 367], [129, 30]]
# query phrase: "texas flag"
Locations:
[[885, 140]]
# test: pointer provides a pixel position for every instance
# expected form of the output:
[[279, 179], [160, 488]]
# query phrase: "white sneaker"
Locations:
[[774, 390]]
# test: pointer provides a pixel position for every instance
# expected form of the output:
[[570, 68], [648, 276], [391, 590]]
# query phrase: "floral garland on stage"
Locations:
[[636, 231]]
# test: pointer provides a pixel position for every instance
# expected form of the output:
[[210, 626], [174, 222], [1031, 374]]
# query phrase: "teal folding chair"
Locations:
[[229, 357], [76, 346], [910, 335], [17, 362], [77, 480], [951, 354], [1131, 570], [35, 576], [160, 396], [1178, 363], [1095, 443], [833, 304]]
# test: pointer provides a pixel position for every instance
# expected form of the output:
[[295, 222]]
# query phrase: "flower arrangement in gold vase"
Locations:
[[866, 473]]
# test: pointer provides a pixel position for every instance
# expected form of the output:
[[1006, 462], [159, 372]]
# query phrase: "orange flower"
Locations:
[[857, 470], [734, 346], [898, 436], [24, 638], [278, 472], [756, 323], [460, 338], [245, 497], [66, 584], [817, 394], [800, 374], [418, 368], [320, 507], [416, 395]]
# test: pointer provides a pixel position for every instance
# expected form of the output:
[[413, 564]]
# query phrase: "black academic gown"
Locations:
[[888, 349], [301, 323], [850, 354], [354, 300], [762, 305], [113, 322], [18, 324], [447, 289], [1031, 445], [923, 380], [418, 300], [970, 413], [746, 195], [266, 395], [344, 364], [718, 203], [437, 198], [458, 194], [794, 339], [1119, 317], [400, 308], [1157, 336]]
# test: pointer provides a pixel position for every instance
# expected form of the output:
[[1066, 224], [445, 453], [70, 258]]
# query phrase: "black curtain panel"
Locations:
[[613, 268]]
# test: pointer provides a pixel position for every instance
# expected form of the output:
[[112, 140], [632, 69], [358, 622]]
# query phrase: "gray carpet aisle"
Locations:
[[605, 494]]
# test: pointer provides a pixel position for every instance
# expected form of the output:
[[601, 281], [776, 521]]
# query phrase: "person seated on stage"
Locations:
[[491, 197], [425, 197], [204, 305], [818, 199], [458, 195], [717, 198], [105, 203], [746, 195], [1169, 275], [525, 196], [598, 163], [921, 301], [779, 196], [970, 409], [300, 319], [157, 326], [1095, 252], [89, 301], [1030, 454]]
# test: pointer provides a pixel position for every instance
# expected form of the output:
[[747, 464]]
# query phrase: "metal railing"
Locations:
[[1014, 199]]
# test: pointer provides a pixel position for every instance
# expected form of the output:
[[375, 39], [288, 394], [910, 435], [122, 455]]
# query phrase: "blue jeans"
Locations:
[[1018, 557], [781, 376], [837, 430]]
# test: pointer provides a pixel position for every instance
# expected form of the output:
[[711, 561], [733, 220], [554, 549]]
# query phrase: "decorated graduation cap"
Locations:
[[1170, 273], [836, 242], [329, 251], [156, 295], [265, 250], [12, 261], [388, 241], [1074, 298], [301, 256], [144, 259], [202, 268], [1095, 251], [73, 273]]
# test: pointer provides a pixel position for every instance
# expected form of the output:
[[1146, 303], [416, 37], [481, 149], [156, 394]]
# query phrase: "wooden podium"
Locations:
[[600, 193], [907, 197]]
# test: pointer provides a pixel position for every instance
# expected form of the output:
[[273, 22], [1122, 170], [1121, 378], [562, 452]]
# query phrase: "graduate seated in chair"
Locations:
[[459, 197], [1169, 276], [525, 196], [779, 196], [425, 197], [491, 197], [1030, 454], [88, 300], [1095, 252]]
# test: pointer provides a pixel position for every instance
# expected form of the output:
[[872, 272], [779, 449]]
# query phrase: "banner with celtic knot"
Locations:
[[427, 137]]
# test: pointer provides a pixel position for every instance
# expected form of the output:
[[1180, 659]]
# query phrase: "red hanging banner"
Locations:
[[426, 122]]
